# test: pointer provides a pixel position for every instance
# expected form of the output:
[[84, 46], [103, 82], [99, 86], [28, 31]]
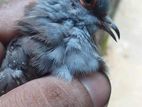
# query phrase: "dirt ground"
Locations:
[[125, 57]]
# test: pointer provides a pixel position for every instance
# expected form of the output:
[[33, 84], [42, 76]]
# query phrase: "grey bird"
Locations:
[[56, 38]]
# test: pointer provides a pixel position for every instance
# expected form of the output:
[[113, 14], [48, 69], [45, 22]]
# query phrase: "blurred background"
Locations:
[[125, 57]]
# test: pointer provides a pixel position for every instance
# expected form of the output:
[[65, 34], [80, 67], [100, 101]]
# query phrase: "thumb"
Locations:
[[47, 92], [52, 92]]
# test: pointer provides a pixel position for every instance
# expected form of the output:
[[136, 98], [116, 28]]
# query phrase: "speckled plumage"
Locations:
[[56, 39]]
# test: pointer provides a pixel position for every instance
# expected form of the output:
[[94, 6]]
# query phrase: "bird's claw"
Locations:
[[107, 25]]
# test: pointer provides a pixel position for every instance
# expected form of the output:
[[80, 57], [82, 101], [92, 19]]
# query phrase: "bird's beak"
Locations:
[[108, 25]]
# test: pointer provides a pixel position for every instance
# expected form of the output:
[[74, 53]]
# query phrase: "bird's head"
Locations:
[[93, 14], [99, 9]]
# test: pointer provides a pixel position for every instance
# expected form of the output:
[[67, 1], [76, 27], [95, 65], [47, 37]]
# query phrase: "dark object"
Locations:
[[56, 38]]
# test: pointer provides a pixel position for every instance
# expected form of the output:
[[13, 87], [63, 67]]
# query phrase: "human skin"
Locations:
[[93, 90]]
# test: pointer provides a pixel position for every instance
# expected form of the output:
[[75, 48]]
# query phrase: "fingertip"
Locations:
[[9, 19], [7, 35], [98, 87]]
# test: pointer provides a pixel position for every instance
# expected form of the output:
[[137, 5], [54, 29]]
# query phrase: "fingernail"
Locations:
[[98, 87]]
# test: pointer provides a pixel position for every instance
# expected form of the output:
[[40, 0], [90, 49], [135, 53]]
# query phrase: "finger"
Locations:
[[11, 12], [1, 52], [48, 92], [99, 88]]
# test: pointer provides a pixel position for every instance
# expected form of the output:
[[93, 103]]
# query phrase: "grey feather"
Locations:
[[56, 39]]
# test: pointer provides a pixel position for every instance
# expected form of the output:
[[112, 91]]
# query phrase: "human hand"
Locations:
[[49, 91]]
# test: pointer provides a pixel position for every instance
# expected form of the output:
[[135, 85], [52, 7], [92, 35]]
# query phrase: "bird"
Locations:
[[56, 37]]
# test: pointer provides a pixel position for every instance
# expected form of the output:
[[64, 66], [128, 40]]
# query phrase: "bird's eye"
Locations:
[[89, 4], [88, 1]]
